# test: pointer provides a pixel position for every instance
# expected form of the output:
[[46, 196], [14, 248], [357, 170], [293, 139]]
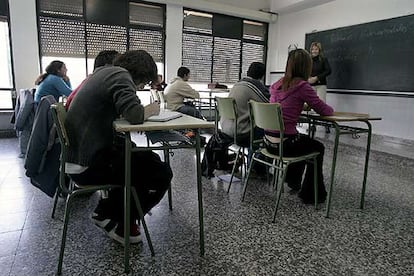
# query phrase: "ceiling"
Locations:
[[275, 6]]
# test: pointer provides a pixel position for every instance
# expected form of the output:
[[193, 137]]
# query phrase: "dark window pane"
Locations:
[[227, 26], [107, 12]]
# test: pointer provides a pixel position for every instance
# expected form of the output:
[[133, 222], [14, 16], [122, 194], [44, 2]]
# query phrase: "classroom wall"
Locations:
[[24, 39], [290, 28], [173, 43]]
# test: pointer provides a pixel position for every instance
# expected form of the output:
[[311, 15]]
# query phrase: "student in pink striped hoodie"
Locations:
[[292, 92]]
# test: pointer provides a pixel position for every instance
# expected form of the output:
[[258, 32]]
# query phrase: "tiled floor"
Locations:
[[240, 239]]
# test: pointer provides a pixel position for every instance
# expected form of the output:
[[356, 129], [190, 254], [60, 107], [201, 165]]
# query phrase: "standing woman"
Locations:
[[292, 91], [320, 70], [54, 82]]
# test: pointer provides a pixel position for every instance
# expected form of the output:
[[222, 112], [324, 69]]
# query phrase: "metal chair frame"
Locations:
[[59, 116], [268, 116]]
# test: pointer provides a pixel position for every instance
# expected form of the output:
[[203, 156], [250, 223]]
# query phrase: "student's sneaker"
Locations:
[[117, 233], [100, 215]]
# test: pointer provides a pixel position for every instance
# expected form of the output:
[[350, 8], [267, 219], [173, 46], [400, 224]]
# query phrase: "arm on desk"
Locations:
[[311, 98]]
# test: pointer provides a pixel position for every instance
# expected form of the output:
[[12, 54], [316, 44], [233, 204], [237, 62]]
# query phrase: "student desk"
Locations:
[[338, 121], [184, 122], [210, 98]]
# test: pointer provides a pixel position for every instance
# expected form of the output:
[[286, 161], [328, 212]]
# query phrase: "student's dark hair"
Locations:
[[182, 71], [139, 64], [52, 69], [256, 70], [298, 67], [105, 57]]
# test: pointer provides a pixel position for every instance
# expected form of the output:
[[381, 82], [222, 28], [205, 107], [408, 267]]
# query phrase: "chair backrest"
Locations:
[[162, 100], [154, 95], [59, 116], [267, 116], [226, 108]]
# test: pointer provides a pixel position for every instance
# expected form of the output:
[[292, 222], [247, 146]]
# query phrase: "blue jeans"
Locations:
[[191, 110]]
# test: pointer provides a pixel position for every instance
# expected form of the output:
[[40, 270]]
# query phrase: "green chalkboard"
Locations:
[[376, 56]]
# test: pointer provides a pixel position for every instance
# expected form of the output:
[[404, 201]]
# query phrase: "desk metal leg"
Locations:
[[209, 106], [335, 153], [199, 192], [364, 182], [127, 200], [167, 160]]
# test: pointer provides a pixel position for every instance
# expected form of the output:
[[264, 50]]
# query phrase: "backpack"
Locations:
[[216, 154]]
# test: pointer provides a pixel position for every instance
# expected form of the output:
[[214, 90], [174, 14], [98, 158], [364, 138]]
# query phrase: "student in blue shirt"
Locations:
[[54, 82]]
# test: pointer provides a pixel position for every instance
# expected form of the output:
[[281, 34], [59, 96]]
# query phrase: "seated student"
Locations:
[[103, 58], [292, 91], [177, 90], [96, 154], [248, 88], [54, 82]]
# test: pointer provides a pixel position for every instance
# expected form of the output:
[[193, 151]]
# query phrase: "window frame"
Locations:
[[5, 17]]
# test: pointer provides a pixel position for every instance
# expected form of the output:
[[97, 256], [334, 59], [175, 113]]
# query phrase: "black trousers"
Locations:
[[300, 145], [149, 175]]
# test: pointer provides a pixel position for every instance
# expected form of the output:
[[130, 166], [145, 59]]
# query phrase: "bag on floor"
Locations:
[[216, 154]]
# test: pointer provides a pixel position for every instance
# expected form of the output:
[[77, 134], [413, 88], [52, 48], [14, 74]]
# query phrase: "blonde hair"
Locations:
[[317, 45]]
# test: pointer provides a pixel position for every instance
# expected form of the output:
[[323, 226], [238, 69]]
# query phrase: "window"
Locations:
[[6, 71], [220, 48], [198, 45], [254, 39], [76, 31]]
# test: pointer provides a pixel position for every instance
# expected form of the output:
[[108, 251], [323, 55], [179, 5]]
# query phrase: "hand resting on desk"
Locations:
[[151, 109]]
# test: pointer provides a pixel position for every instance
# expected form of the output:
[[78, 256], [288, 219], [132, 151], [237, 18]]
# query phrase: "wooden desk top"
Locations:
[[343, 117], [183, 122]]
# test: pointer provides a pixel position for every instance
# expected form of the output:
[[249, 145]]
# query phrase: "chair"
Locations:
[[226, 108], [269, 116], [154, 95], [59, 116]]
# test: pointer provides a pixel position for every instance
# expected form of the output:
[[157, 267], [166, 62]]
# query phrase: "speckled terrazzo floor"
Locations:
[[240, 238]]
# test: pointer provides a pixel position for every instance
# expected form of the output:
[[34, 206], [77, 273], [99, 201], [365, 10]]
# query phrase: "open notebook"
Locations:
[[164, 116]]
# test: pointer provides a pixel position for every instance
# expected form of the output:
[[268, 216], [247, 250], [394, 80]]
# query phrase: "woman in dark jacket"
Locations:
[[320, 70]]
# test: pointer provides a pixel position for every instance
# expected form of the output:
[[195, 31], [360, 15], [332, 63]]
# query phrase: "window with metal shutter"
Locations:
[[76, 35], [226, 64], [254, 44], [61, 37], [198, 45], [105, 37], [147, 29], [73, 8], [220, 48]]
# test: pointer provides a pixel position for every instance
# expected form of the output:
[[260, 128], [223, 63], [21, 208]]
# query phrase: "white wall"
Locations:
[[173, 44], [24, 38], [397, 113]]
